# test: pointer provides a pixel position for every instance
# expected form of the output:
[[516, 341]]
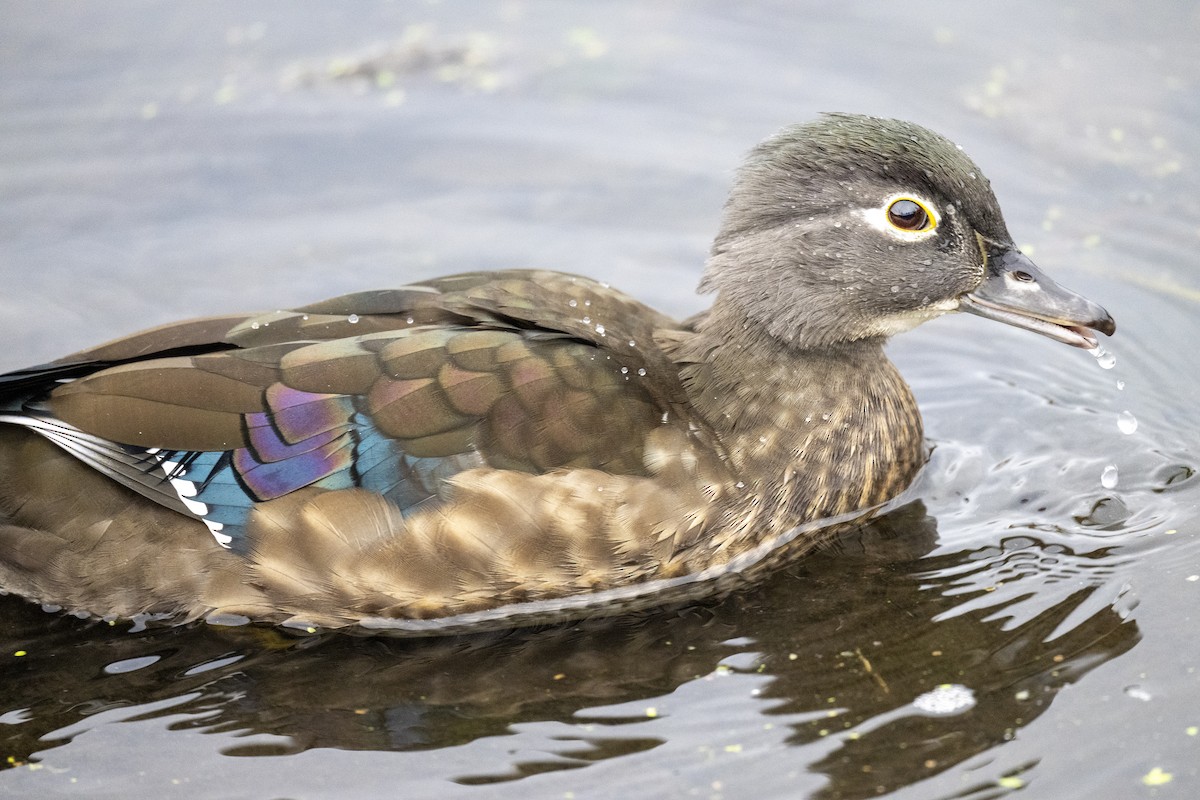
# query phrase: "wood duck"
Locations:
[[498, 449]]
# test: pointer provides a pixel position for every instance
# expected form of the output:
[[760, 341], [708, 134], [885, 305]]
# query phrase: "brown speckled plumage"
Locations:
[[506, 448]]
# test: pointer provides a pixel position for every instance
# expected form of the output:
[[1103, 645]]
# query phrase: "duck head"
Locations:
[[854, 227]]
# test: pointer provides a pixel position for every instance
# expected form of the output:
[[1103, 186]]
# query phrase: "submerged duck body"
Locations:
[[497, 449]]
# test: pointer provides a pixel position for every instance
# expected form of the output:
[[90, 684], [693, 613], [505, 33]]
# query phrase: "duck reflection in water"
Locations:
[[877, 624]]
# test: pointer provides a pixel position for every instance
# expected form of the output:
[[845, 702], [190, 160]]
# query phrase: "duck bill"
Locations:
[[1016, 292]]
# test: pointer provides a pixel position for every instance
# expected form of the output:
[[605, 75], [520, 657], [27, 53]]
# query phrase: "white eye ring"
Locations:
[[879, 218]]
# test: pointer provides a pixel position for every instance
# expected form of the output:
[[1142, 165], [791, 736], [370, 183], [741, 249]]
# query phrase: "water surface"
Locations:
[[1020, 624]]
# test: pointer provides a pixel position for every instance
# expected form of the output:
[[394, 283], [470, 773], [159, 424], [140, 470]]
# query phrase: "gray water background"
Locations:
[[161, 161]]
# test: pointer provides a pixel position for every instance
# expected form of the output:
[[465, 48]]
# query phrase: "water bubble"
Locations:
[[353, 318], [410, 320], [1120, 386], [254, 326], [624, 370], [1138, 693], [641, 372], [1105, 359], [1108, 478], [632, 343], [949, 698], [895, 289], [1127, 422], [600, 329], [573, 303], [587, 320]]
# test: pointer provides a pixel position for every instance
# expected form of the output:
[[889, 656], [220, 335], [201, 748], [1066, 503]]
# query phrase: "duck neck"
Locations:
[[819, 432]]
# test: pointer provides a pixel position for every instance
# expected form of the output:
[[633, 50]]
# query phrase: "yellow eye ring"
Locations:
[[910, 216]]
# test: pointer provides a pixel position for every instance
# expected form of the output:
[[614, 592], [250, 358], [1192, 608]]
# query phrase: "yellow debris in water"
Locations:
[[587, 42], [1157, 777]]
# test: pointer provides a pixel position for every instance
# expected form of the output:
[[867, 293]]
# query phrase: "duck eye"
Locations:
[[909, 215]]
